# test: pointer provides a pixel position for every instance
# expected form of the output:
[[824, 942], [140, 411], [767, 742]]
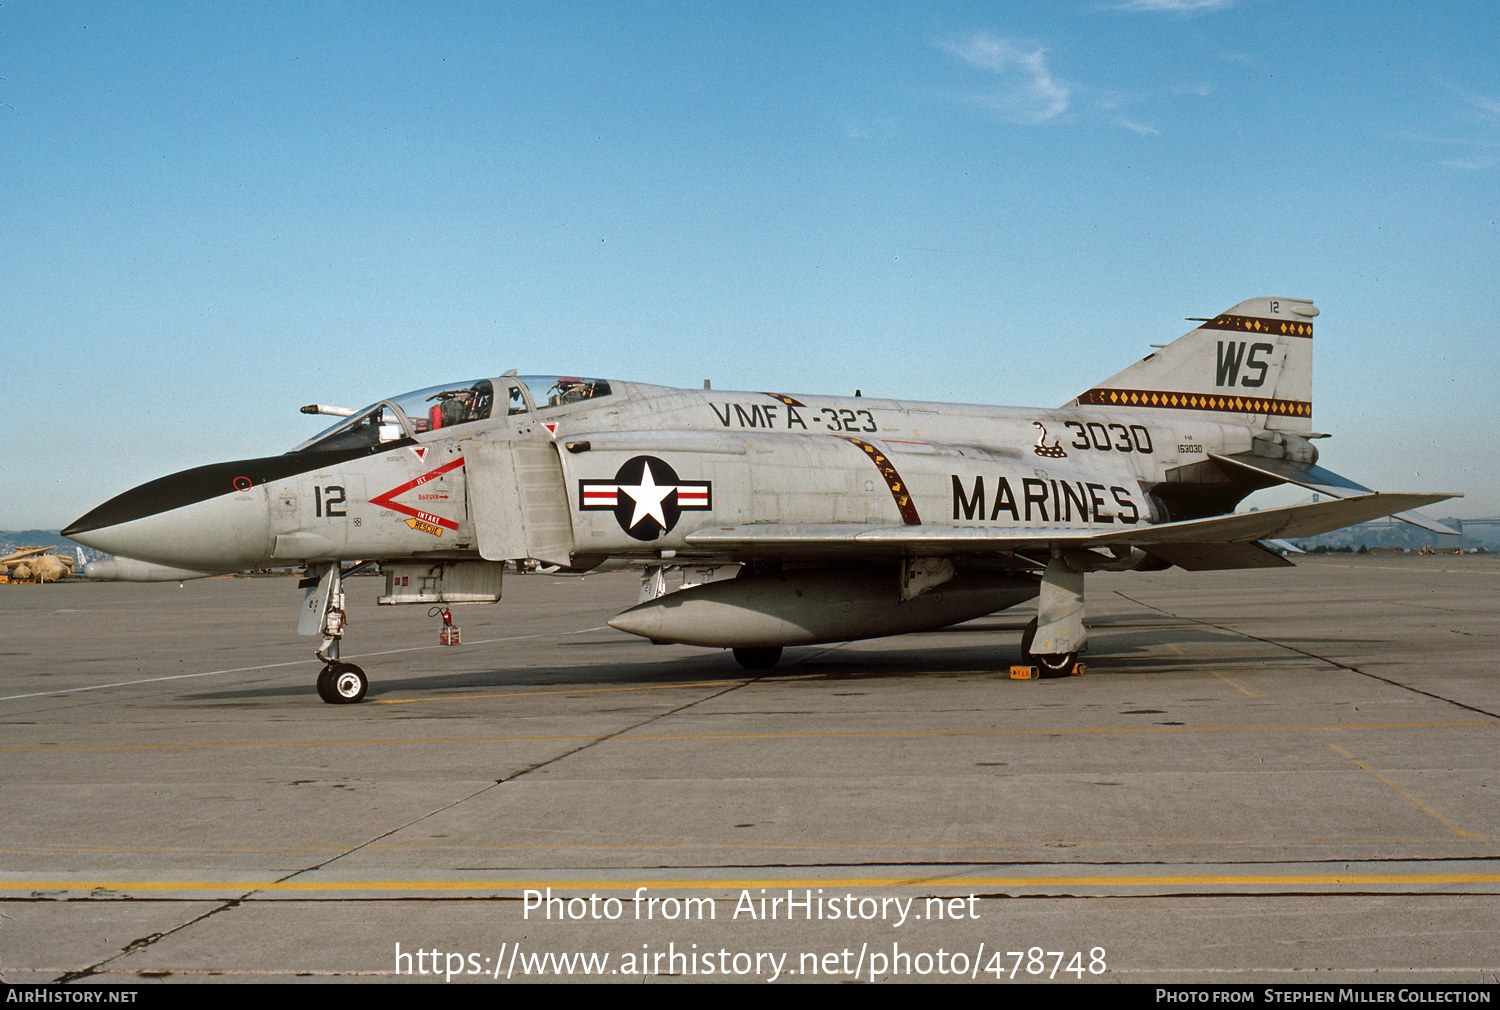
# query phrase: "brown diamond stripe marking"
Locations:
[[893, 480], [1196, 401], [790, 401], [1252, 324]]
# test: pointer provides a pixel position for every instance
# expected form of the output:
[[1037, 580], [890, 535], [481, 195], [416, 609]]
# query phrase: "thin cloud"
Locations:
[[1127, 123], [1176, 6], [1474, 133], [1476, 164], [878, 128], [1112, 100], [1488, 108], [1030, 93]]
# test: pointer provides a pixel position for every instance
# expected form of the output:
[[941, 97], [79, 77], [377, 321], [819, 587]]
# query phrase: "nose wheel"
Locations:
[[342, 684]]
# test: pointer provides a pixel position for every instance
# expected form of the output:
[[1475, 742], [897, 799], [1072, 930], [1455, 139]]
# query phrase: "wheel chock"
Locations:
[[1032, 673]]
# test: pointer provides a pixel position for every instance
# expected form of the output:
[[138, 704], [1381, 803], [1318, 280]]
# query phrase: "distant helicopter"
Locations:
[[37, 564]]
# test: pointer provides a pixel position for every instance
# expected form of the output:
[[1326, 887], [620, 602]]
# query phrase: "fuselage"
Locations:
[[637, 468]]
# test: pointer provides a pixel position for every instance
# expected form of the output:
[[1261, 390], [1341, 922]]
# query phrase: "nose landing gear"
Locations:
[[338, 683]]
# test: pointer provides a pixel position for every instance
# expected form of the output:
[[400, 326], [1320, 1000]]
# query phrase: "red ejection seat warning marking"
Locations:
[[388, 501]]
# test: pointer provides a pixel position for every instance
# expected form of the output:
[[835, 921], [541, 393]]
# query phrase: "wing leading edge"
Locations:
[[1175, 538]]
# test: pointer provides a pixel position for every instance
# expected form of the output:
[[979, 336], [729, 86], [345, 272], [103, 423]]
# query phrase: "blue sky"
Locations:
[[217, 213]]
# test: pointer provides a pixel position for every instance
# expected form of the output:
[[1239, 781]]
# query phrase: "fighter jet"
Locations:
[[794, 519]]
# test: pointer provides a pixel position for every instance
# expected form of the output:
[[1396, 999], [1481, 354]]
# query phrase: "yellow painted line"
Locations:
[[303, 743], [37, 850], [576, 690], [830, 735], [1243, 690], [1417, 802], [1194, 880]]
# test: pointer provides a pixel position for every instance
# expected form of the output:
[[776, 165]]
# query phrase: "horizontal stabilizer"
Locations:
[[1315, 478], [857, 540], [1283, 523]]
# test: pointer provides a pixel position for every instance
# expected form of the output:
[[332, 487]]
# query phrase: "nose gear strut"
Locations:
[[338, 683]]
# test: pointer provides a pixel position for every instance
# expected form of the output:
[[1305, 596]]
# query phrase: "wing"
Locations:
[[1221, 542]]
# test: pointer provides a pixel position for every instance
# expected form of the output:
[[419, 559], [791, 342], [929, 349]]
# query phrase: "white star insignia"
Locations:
[[648, 496]]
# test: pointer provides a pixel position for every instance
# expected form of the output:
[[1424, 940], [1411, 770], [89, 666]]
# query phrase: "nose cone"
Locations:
[[211, 518]]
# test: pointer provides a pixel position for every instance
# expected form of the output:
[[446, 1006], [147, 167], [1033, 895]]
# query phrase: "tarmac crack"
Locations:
[[1312, 655], [149, 940], [141, 943], [524, 771]]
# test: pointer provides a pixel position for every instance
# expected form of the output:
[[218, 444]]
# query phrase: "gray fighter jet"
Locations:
[[792, 519]]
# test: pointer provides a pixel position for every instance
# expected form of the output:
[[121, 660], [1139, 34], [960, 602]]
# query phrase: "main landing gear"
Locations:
[[757, 659], [338, 683], [1055, 637]]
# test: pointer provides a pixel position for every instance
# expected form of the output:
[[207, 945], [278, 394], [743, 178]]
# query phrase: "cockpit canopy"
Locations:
[[412, 414]]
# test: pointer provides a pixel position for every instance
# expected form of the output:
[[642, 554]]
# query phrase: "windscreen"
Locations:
[[408, 415]]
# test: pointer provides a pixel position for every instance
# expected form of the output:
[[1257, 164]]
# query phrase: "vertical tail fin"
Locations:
[[1251, 365]]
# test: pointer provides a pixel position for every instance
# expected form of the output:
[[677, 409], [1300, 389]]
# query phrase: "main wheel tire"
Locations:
[[1054, 664], [347, 684], [757, 659], [1027, 637], [1048, 664]]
